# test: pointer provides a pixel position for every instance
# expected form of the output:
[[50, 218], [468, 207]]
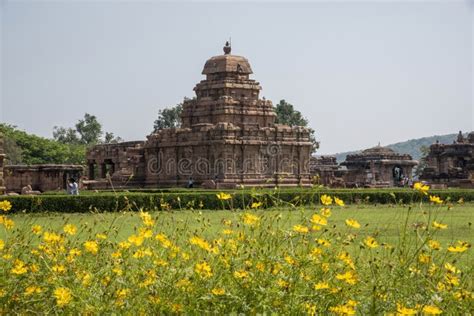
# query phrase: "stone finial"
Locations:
[[227, 48], [460, 137]]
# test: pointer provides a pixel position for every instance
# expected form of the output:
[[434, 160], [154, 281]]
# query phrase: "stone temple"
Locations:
[[228, 137], [378, 167], [451, 165]]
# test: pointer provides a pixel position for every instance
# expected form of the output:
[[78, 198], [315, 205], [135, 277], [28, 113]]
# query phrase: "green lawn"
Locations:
[[384, 221]]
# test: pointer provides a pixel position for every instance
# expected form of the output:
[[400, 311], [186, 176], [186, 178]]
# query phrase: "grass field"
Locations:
[[302, 260], [385, 221]]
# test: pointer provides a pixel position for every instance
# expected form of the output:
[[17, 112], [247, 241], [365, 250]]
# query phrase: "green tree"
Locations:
[[89, 130], [21, 147], [288, 115], [65, 135], [169, 117], [110, 138]]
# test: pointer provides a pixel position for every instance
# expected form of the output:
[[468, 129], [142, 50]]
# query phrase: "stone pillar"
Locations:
[[2, 157]]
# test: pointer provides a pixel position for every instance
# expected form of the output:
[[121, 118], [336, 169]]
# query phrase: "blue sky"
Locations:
[[361, 72]]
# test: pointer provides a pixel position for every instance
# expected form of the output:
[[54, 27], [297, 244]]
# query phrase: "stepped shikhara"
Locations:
[[228, 137]]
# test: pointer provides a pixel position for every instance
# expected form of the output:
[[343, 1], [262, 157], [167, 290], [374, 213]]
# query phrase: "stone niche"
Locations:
[[228, 136], [451, 165], [378, 167]]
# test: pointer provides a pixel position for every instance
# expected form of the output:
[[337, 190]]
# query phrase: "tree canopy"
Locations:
[[87, 131], [168, 117], [23, 148]]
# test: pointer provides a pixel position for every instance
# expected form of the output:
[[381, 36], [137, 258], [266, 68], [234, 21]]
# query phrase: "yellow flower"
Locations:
[[435, 199], [402, 310], [2, 244], [301, 229], [282, 283], [52, 238], [122, 293], [321, 286], [319, 220], [371, 242], [326, 199], [70, 229], [460, 246], [338, 201], [256, 204], [437, 225], [424, 258], [345, 309], [349, 277], [422, 188], [5, 206], [30, 290], [203, 244], [91, 246], [8, 223], [147, 219], [19, 268], [136, 240], [58, 268], [323, 242], [250, 219], [352, 223], [223, 196], [433, 244], [124, 245], [241, 274], [451, 268], [310, 309], [101, 236], [325, 211], [36, 229], [290, 260], [203, 270], [63, 296], [218, 291]]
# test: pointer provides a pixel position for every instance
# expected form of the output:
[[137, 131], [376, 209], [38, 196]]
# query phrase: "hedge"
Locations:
[[119, 201]]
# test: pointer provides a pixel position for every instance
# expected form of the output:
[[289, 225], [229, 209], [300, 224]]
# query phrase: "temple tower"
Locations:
[[228, 135]]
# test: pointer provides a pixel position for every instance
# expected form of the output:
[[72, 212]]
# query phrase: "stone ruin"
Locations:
[[451, 165], [34, 179], [378, 167], [325, 171], [228, 137]]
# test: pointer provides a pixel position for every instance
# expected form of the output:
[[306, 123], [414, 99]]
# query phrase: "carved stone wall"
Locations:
[[47, 177], [451, 165]]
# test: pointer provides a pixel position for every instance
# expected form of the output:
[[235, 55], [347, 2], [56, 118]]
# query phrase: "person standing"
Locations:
[[73, 187]]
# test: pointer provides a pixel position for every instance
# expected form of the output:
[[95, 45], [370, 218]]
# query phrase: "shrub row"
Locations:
[[110, 201]]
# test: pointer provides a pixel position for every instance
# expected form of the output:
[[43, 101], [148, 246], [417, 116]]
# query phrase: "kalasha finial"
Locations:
[[227, 48]]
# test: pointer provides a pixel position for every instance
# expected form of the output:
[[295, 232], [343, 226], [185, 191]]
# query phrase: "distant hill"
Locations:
[[411, 147]]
